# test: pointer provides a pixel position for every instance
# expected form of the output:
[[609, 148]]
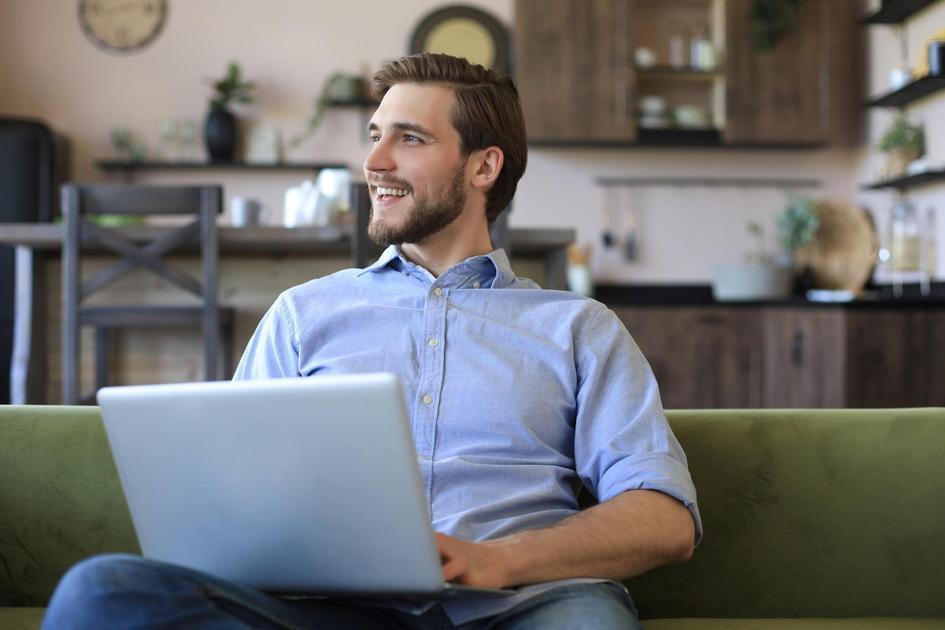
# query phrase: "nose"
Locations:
[[379, 158]]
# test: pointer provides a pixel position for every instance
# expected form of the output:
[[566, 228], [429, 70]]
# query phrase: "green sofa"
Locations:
[[813, 519]]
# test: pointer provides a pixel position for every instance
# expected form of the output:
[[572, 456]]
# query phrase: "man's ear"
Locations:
[[487, 164]]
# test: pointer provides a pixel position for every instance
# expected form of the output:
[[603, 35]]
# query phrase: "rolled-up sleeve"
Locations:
[[622, 439], [273, 350]]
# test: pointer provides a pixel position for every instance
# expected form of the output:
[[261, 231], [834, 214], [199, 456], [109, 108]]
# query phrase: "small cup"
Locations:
[[245, 212], [644, 57]]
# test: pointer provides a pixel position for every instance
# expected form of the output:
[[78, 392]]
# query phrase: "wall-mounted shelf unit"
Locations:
[[897, 11], [126, 167], [908, 181], [910, 92]]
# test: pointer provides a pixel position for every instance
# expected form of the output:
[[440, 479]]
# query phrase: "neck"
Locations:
[[465, 237]]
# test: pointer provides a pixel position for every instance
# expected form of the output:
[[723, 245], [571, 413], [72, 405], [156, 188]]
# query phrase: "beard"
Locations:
[[427, 216]]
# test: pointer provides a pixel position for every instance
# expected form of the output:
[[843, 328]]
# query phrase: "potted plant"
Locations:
[[338, 87], [902, 143], [219, 130], [798, 224]]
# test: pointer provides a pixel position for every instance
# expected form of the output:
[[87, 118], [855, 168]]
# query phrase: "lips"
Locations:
[[388, 193]]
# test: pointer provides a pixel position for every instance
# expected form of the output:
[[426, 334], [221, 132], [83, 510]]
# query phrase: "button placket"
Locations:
[[431, 378]]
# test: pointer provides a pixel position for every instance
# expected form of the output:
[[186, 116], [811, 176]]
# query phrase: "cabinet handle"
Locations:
[[797, 349]]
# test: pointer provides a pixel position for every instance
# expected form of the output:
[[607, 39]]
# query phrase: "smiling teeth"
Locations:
[[397, 192]]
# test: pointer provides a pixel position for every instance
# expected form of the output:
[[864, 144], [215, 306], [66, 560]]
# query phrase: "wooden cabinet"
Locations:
[[579, 84], [792, 357], [802, 90], [896, 358], [702, 358], [804, 357], [574, 75]]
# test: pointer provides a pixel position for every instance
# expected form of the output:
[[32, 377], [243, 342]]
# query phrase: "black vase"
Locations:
[[219, 135]]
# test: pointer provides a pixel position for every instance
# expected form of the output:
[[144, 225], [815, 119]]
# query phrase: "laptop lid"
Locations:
[[291, 485]]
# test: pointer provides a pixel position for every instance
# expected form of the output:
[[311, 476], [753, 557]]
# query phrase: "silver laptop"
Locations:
[[306, 485]]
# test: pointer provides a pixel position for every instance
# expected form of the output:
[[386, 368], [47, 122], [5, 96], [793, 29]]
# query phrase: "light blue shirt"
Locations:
[[516, 395]]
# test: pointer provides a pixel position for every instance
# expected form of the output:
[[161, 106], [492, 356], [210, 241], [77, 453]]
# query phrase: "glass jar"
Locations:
[[905, 242]]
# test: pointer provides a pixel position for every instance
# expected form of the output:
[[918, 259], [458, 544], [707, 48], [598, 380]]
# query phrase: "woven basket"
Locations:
[[844, 250]]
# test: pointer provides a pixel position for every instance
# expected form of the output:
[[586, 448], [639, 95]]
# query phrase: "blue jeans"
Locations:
[[129, 591]]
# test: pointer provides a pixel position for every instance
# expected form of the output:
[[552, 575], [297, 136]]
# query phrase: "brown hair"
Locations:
[[487, 112]]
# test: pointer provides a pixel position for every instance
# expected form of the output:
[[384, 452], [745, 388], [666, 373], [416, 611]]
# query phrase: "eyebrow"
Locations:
[[404, 126]]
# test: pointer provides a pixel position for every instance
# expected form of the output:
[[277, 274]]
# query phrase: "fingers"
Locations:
[[453, 562]]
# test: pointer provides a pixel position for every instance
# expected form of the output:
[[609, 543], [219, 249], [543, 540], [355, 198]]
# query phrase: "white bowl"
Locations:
[[743, 282]]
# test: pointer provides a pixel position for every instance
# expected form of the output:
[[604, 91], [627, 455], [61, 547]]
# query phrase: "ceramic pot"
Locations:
[[898, 159], [219, 135]]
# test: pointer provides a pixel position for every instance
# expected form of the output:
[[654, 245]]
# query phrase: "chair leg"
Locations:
[[228, 351], [101, 358]]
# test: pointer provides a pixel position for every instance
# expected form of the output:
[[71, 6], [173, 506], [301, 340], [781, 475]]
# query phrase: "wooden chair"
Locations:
[[216, 322]]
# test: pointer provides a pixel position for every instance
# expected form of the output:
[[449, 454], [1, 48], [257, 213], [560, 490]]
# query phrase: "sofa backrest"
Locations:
[[60, 498], [807, 513], [810, 513]]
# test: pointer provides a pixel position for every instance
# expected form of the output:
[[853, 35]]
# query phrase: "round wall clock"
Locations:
[[464, 31], [122, 26]]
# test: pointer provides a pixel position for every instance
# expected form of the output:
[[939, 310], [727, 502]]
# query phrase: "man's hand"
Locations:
[[471, 563], [628, 535]]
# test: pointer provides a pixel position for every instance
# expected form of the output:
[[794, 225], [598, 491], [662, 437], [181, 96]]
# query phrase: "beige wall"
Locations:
[[49, 70]]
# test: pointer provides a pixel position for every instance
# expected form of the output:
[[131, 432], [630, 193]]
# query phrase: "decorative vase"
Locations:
[[219, 135]]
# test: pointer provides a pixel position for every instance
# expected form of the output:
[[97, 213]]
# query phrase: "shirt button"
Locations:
[[427, 399], [476, 284], [438, 292], [433, 342]]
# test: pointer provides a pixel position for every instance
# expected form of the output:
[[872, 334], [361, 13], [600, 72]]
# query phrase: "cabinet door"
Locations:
[[573, 71], [802, 90], [896, 358], [804, 358], [703, 357]]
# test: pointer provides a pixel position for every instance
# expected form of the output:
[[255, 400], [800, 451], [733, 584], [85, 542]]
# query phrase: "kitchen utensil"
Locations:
[[629, 225], [607, 218]]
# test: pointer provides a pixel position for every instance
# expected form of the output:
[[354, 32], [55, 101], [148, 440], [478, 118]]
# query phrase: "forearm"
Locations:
[[628, 535]]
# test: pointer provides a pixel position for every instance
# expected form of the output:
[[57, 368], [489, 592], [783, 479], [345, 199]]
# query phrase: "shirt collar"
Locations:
[[491, 270]]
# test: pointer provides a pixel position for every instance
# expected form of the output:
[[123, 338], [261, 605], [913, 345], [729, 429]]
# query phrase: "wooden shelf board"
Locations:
[[908, 181], [896, 12], [360, 102], [119, 165], [922, 86], [670, 72]]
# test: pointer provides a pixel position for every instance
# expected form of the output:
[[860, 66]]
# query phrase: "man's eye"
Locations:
[[374, 137], [412, 139]]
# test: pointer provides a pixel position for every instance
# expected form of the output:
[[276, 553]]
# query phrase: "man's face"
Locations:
[[415, 170]]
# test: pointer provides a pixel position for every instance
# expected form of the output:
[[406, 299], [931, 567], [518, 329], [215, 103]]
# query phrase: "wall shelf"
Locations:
[[908, 181], [897, 12], [671, 72], [922, 86], [131, 167]]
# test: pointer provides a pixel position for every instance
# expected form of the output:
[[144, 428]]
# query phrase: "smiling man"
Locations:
[[519, 398]]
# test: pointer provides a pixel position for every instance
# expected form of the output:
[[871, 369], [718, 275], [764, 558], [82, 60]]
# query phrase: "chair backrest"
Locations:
[[79, 201]]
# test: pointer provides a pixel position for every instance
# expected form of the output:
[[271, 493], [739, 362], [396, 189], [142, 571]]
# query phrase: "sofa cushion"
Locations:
[[810, 513], [60, 498], [20, 618], [862, 623]]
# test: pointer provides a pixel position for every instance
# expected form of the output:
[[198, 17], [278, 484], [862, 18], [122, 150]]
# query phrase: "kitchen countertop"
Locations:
[[701, 295]]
